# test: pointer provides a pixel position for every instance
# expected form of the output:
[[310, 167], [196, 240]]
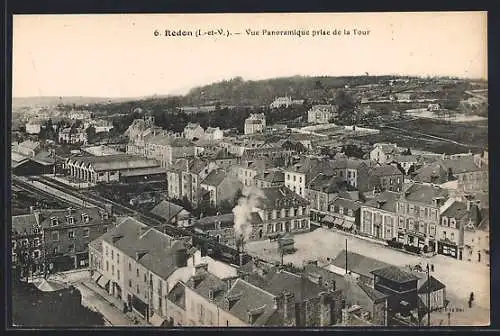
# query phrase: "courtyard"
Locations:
[[460, 277]]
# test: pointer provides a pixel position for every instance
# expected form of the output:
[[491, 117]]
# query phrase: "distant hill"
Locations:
[[262, 92], [53, 101]]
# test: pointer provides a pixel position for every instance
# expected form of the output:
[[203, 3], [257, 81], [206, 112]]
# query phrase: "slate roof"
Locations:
[[252, 297], [22, 223], [144, 171], [372, 293], [327, 276], [208, 223], [210, 282], [115, 162], [273, 176], [133, 236], [215, 178], [358, 263], [300, 286], [385, 170], [165, 140], [327, 183], [347, 203], [423, 193], [387, 201], [280, 197], [395, 274], [166, 210], [461, 165], [433, 286], [93, 214]]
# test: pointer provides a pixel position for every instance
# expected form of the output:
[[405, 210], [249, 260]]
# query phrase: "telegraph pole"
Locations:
[[428, 298], [346, 256]]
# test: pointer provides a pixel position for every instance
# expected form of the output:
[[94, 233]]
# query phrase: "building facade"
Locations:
[[255, 123], [322, 114]]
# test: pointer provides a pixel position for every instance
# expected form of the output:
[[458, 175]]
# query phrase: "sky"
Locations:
[[118, 55]]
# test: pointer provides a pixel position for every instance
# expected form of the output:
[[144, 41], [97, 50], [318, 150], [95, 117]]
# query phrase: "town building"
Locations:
[[281, 210], [172, 214], [113, 168], [193, 131], [57, 240], [431, 292], [72, 135], [27, 148], [33, 127], [255, 123], [345, 214], [356, 265], [185, 176], [27, 244], [406, 162], [418, 210], [458, 227], [270, 178], [299, 175], [379, 218], [322, 114], [401, 288], [140, 265], [101, 150], [214, 133], [207, 300], [166, 149], [365, 303], [219, 227], [386, 177], [220, 186], [285, 102], [384, 152], [322, 190], [249, 169]]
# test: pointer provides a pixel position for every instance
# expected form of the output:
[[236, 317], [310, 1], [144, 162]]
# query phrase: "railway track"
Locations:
[[207, 245]]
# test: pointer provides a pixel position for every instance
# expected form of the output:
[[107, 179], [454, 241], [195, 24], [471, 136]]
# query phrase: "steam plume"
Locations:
[[243, 214]]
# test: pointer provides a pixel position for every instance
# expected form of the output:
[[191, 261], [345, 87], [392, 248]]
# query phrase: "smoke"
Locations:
[[243, 214]]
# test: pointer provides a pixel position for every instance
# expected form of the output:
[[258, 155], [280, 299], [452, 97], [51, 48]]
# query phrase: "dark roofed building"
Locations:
[[105, 169], [270, 178], [221, 186], [378, 216], [386, 177], [172, 213]]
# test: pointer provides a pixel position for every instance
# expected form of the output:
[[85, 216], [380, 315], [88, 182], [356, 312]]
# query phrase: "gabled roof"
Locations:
[[131, 236], [23, 223], [358, 263], [207, 283], [215, 178], [273, 176], [327, 183], [280, 197], [385, 170], [386, 200], [394, 274], [462, 165], [431, 285], [347, 203], [327, 276], [166, 210], [300, 286], [251, 298], [115, 162], [423, 193]]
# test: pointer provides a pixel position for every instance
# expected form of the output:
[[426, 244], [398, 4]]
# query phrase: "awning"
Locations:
[[156, 320], [103, 282], [329, 219], [338, 221], [347, 224]]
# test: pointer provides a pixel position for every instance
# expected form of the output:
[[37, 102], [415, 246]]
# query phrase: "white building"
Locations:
[[214, 133], [321, 114], [285, 102], [256, 123], [194, 130], [33, 128]]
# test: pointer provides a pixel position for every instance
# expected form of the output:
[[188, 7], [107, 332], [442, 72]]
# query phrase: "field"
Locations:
[[469, 136]]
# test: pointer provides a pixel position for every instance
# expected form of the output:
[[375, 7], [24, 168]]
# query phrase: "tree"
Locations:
[[353, 151], [91, 134]]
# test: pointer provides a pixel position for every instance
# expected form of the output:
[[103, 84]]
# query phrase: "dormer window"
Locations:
[[85, 218], [71, 220], [53, 221]]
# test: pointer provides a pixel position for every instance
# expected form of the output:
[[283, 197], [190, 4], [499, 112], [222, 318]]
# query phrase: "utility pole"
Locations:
[[428, 298], [346, 256]]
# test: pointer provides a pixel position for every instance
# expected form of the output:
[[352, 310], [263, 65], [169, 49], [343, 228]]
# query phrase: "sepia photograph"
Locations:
[[298, 170]]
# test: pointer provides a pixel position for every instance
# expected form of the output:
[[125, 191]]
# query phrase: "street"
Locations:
[[460, 277]]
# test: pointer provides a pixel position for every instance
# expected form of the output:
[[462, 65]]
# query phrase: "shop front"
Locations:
[[448, 249]]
